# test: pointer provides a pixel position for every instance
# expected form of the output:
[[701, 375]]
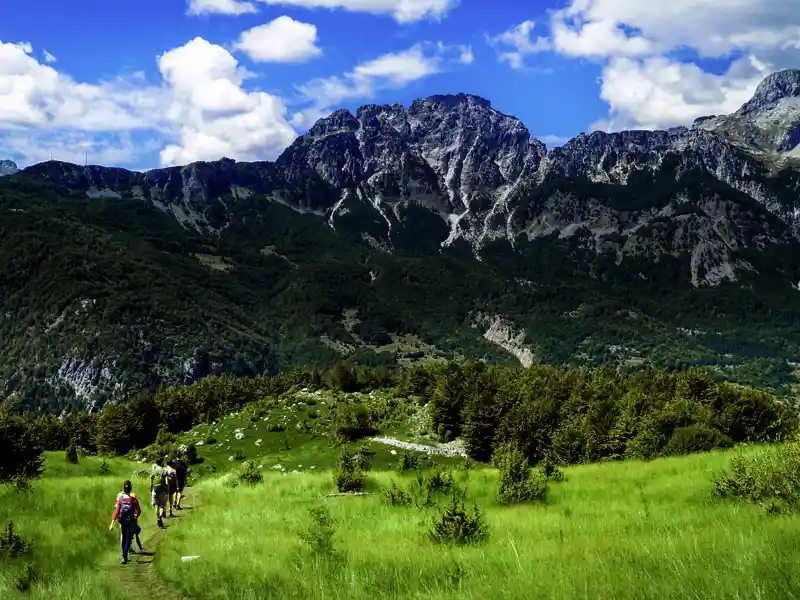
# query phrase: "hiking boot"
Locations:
[[123, 560], [160, 523]]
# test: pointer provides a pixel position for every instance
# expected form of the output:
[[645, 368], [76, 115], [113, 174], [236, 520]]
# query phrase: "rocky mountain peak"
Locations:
[[8, 167], [453, 100], [339, 121], [774, 88]]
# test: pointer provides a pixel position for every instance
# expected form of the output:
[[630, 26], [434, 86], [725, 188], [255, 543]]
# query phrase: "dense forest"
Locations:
[[562, 415]]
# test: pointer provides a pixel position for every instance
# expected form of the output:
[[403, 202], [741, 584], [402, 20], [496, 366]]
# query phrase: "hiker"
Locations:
[[172, 485], [180, 477], [159, 490], [137, 529], [126, 512]]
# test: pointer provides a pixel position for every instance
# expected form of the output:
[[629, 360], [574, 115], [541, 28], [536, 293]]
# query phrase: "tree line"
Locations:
[[560, 415]]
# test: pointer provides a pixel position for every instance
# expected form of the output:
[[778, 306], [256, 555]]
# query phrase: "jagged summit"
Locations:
[[774, 88], [8, 167], [456, 99], [392, 201]]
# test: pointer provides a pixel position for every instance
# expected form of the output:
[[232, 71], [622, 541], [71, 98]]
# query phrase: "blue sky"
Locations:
[[147, 83]]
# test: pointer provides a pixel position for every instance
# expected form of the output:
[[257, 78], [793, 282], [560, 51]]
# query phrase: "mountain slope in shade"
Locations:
[[439, 229]]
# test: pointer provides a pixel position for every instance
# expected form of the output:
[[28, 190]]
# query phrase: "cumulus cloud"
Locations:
[[652, 53], [49, 58], [214, 116], [514, 44], [220, 7], [281, 40], [403, 11], [392, 70], [657, 93], [33, 94], [200, 107]]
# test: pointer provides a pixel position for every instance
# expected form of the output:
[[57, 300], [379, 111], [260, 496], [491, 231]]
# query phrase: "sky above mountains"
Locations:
[[148, 83]]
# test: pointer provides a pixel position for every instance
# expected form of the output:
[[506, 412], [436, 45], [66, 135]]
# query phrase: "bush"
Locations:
[[456, 526], [694, 438], [770, 479], [249, 473], [104, 468], [518, 482], [348, 475], [20, 451], [191, 455], [319, 535], [408, 461], [71, 453], [26, 579], [11, 544], [551, 471], [395, 496]]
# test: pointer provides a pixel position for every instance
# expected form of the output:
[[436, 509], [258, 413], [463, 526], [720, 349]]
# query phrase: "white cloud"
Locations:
[[652, 53], [49, 58], [36, 95], [281, 40], [714, 28], [467, 57], [220, 7], [553, 141], [200, 107], [391, 70], [403, 11], [657, 93], [516, 43], [215, 117]]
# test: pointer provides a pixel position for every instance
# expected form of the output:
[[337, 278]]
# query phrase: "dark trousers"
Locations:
[[128, 531]]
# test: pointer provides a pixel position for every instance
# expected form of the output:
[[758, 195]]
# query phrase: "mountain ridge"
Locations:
[[440, 229]]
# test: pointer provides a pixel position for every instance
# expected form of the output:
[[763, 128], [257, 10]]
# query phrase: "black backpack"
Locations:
[[180, 468], [126, 511]]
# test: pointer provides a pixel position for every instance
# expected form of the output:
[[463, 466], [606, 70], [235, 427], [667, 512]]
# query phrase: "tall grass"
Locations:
[[621, 530], [66, 517]]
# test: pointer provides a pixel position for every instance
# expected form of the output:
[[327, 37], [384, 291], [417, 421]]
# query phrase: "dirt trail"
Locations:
[[139, 576]]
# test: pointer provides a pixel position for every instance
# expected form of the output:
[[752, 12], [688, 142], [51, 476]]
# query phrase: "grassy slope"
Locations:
[[304, 445], [67, 516], [622, 530], [617, 530]]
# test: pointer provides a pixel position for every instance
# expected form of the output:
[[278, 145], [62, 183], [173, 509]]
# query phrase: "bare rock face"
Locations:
[[768, 125], [704, 193], [8, 167]]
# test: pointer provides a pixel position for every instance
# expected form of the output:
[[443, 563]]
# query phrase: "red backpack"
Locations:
[[127, 510]]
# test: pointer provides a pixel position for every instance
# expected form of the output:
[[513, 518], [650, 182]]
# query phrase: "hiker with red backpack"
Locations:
[[137, 529], [126, 513]]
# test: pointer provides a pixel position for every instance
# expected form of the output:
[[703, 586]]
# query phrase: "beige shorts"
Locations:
[[159, 500]]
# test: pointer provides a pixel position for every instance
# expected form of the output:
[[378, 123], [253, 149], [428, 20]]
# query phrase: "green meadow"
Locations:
[[629, 529]]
